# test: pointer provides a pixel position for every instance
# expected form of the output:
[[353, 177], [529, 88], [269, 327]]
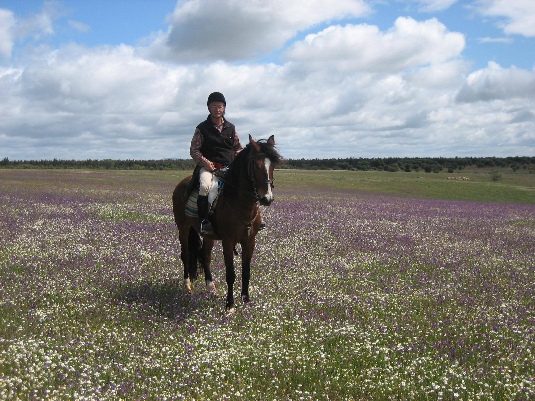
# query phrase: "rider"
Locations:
[[214, 145]]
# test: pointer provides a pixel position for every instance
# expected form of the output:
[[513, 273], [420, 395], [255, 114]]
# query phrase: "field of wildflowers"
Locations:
[[355, 296]]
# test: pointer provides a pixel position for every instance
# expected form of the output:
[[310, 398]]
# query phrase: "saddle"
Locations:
[[192, 191]]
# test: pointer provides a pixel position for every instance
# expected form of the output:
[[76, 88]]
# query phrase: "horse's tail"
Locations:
[[195, 254]]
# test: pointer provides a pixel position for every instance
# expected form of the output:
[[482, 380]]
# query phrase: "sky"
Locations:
[[129, 79]]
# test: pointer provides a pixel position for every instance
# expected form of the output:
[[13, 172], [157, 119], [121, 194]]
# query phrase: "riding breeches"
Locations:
[[205, 179]]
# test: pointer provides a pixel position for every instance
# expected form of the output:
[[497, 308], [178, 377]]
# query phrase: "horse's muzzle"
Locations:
[[266, 201]]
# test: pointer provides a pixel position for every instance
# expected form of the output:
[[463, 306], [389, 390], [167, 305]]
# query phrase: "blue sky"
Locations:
[[352, 78], [100, 21]]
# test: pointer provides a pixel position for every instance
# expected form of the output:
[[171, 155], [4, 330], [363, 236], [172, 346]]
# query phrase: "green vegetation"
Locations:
[[105, 164], [417, 164], [390, 164], [363, 288], [477, 185]]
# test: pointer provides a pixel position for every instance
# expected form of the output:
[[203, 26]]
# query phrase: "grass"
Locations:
[[479, 186], [366, 286]]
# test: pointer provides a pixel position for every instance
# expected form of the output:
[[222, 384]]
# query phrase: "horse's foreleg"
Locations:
[[184, 257], [230, 274], [247, 255], [207, 247]]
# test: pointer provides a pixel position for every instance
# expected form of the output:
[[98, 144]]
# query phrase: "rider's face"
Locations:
[[217, 109]]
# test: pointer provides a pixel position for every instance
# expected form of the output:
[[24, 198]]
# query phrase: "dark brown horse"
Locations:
[[236, 217]]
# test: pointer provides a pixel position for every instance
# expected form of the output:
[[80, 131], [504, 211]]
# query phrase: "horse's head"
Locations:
[[264, 157]]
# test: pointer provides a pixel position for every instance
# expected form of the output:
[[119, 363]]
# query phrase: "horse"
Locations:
[[236, 218]]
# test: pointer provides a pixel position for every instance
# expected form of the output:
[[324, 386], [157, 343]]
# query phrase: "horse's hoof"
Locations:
[[212, 289], [187, 286], [245, 298], [230, 309]]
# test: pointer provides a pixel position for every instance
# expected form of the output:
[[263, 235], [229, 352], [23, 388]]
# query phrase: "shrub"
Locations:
[[495, 176]]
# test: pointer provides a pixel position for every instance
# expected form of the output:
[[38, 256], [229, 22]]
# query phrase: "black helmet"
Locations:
[[216, 97]]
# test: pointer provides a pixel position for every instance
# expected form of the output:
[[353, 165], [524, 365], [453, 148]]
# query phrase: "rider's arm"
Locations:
[[237, 144], [195, 151]]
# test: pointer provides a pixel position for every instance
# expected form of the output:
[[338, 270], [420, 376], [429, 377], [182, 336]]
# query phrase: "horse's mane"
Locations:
[[269, 150], [240, 165]]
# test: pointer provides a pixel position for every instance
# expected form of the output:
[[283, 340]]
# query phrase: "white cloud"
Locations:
[[515, 16], [36, 26], [41, 24], [495, 40], [435, 5], [408, 44], [495, 82], [236, 30], [106, 93], [7, 22], [342, 91], [79, 26]]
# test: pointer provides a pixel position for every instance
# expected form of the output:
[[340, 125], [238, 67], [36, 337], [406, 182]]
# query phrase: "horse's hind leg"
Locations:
[[207, 247], [185, 257]]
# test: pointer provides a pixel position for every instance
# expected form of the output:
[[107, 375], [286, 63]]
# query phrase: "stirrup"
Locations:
[[206, 227]]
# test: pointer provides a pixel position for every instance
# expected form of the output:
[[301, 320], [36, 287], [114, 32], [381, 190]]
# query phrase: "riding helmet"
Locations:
[[216, 97]]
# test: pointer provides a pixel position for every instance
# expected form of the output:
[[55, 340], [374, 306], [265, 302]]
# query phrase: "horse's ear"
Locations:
[[271, 140], [253, 144]]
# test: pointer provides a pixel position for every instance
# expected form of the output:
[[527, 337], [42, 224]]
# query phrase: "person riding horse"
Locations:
[[214, 145], [236, 218]]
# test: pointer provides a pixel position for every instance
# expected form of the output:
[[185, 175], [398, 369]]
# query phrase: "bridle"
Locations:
[[253, 180]]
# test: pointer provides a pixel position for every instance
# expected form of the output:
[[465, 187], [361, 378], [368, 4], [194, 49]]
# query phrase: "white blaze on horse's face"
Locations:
[[268, 197], [264, 181]]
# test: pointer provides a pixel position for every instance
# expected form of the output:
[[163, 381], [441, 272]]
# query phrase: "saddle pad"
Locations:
[[191, 204]]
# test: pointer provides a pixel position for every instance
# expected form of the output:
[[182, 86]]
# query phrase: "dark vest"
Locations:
[[217, 147]]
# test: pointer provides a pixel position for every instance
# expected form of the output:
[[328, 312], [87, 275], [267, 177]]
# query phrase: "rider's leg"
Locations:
[[205, 179]]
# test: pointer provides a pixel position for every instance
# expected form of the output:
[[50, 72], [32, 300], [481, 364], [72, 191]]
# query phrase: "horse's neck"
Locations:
[[243, 195]]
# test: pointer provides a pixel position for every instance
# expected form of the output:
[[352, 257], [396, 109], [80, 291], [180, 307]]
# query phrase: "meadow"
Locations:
[[365, 286]]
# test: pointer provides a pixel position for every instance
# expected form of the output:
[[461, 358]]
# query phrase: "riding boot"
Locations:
[[202, 206]]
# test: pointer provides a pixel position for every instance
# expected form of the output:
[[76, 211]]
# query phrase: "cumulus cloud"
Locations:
[[515, 16], [344, 90], [408, 44], [35, 26], [98, 95], [236, 30], [495, 82]]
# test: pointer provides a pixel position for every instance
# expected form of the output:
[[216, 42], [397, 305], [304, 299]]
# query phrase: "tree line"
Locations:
[[392, 164], [424, 164], [104, 164]]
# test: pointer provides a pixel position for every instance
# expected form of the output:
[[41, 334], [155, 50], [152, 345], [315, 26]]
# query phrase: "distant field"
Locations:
[[470, 185], [365, 286], [474, 184]]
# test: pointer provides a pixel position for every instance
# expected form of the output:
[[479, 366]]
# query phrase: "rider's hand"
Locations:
[[210, 166]]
